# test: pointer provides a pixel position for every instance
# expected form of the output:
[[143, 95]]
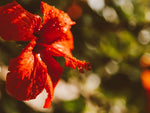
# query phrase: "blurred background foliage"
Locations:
[[114, 36]]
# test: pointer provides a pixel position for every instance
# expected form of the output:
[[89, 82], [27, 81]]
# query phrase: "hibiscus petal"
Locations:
[[27, 75], [54, 69], [65, 43], [50, 90], [63, 47], [17, 24], [70, 61], [67, 40], [55, 23]]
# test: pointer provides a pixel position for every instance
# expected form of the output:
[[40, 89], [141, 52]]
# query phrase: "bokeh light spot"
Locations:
[[96, 5], [110, 15], [144, 37]]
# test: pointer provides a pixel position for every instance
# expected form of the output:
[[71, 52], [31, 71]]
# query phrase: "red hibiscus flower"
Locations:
[[35, 69]]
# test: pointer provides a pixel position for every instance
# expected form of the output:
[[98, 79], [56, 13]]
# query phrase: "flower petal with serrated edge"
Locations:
[[27, 76], [17, 24], [55, 23], [54, 69]]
